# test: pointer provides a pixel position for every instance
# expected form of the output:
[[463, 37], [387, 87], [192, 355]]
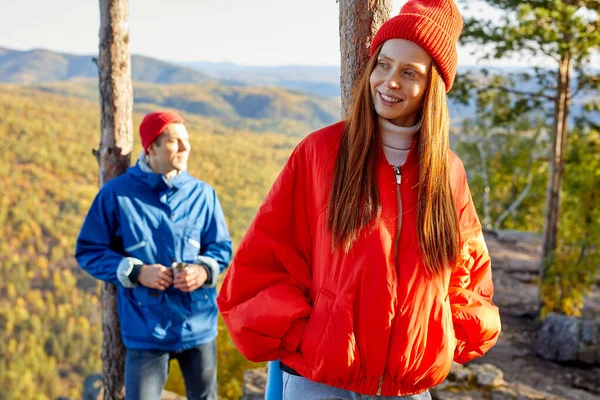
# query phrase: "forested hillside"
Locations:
[[237, 106], [50, 326]]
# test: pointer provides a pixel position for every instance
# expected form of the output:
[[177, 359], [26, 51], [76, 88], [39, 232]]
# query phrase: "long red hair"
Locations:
[[354, 201]]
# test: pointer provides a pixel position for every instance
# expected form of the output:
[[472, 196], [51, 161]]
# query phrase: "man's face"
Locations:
[[170, 151]]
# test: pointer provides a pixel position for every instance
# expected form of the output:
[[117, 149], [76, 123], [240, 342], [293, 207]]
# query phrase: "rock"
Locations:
[[470, 395], [171, 396], [524, 392], [589, 354], [567, 339], [460, 374], [525, 277], [255, 383], [443, 386], [504, 393], [558, 340], [589, 332], [580, 383], [488, 375]]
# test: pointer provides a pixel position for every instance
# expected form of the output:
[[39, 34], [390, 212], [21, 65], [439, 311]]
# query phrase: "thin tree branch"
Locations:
[[526, 189], [517, 201]]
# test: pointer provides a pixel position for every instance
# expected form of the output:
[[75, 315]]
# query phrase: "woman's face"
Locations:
[[399, 81]]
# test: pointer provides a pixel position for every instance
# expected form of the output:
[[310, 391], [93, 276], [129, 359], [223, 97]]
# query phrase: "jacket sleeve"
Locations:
[[265, 295], [476, 319], [216, 243], [96, 242]]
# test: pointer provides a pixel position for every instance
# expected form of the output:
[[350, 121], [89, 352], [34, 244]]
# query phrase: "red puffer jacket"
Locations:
[[365, 321]]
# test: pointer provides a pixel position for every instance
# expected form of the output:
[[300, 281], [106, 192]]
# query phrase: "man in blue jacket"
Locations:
[[142, 224]]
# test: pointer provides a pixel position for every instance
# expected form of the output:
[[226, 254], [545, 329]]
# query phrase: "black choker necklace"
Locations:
[[396, 148]]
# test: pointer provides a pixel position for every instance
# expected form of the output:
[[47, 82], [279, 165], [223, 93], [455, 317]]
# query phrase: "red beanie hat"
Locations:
[[155, 123], [435, 25]]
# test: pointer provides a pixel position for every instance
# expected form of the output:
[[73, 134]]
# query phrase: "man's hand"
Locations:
[[191, 278], [156, 276]]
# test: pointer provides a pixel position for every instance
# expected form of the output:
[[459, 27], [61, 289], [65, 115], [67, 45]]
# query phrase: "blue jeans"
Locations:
[[146, 372], [299, 388]]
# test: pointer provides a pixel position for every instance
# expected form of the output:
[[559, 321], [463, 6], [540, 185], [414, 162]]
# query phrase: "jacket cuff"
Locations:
[[212, 269], [127, 267], [465, 351], [291, 340], [135, 273]]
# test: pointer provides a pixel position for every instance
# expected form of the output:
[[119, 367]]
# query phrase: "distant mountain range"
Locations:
[[39, 66], [321, 80], [235, 103], [221, 90], [36, 66]]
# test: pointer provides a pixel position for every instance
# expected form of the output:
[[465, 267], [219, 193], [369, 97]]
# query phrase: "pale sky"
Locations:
[[247, 32]]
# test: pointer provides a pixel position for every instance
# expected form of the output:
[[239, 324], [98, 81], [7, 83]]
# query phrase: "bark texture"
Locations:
[[359, 21], [561, 116], [116, 100]]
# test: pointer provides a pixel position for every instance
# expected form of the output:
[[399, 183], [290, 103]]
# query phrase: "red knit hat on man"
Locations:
[[435, 25], [155, 123]]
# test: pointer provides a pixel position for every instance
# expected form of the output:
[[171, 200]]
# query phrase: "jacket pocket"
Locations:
[[203, 300], [448, 327], [136, 246], [204, 295], [144, 296], [191, 243], [139, 248], [317, 325], [147, 320]]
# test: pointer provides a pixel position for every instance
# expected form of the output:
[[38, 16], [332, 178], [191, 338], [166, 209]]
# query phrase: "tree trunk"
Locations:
[[359, 21], [116, 102], [561, 118]]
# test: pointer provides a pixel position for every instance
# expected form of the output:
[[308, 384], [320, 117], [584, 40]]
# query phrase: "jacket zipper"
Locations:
[[398, 173]]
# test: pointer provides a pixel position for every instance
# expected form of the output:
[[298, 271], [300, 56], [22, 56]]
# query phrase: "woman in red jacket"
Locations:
[[365, 270]]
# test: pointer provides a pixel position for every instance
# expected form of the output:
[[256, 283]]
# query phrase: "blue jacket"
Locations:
[[139, 218]]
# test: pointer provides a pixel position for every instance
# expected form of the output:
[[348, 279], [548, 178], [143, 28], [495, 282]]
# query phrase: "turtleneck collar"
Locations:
[[397, 140], [145, 173]]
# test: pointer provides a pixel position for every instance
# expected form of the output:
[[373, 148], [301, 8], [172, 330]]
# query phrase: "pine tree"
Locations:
[[566, 32], [116, 94]]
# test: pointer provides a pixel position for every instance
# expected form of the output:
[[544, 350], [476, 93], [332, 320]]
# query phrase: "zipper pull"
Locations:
[[398, 174]]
